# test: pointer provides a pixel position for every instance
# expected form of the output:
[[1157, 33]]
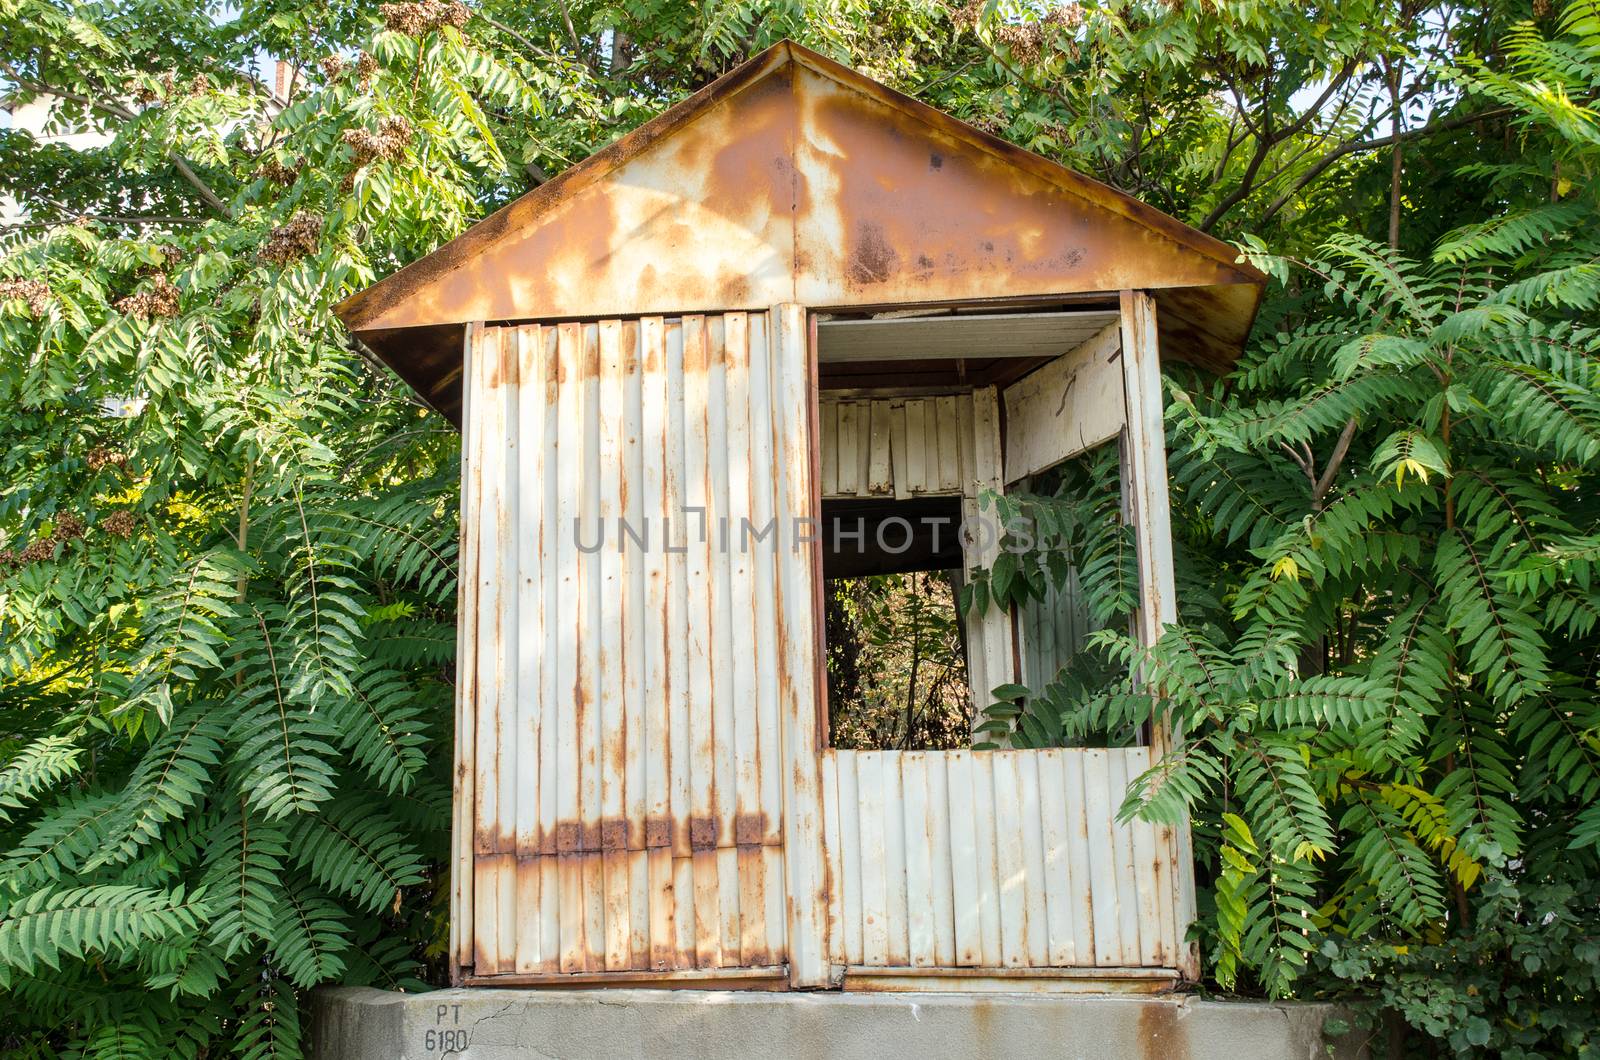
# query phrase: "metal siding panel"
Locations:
[[506, 910], [848, 460], [682, 661], [1080, 890], [507, 738], [464, 799], [828, 440], [765, 507], [656, 634], [879, 475], [636, 623], [1011, 872], [833, 842], [701, 646], [594, 911], [965, 885], [571, 465], [486, 914], [530, 529], [894, 860], [917, 844], [723, 639], [491, 513], [916, 445], [940, 860], [983, 814], [874, 869], [777, 908], [591, 710], [551, 761], [748, 824], [947, 423], [1058, 865], [897, 448], [1029, 818], [681, 648], [1147, 892], [807, 883], [853, 941], [728, 881], [1097, 812], [611, 678], [1127, 880], [527, 942]]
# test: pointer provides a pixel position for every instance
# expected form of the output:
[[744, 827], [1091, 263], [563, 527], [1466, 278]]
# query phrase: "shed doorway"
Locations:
[[1004, 868]]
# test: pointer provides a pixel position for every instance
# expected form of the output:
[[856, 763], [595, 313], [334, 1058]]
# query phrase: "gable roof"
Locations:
[[795, 179]]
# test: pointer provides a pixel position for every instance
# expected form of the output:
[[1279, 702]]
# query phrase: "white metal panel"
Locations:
[[1068, 405], [622, 708], [957, 336], [794, 451], [1008, 860]]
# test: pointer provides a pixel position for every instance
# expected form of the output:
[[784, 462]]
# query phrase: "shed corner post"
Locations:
[[805, 864], [1150, 509], [464, 800]]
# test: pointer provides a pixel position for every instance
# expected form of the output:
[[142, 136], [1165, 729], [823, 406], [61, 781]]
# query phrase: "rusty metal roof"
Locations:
[[795, 179]]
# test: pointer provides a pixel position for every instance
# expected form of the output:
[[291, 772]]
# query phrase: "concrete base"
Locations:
[[498, 1024]]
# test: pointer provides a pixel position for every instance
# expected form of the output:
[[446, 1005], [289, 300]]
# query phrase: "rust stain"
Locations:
[[703, 833], [589, 840], [1159, 1035], [658, 832], [749, 829], [614, 835], [794, 176]]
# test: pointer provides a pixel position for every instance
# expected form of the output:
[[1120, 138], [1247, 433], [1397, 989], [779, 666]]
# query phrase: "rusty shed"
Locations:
[[797, 287]]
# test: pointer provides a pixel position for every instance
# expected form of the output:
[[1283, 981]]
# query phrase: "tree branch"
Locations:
[[103, 219], [116, 110], [1267, 139], [1340, 448], [1358, 146]]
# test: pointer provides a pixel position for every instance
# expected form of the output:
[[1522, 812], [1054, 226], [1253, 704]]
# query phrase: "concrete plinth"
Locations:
[[498, 1024]]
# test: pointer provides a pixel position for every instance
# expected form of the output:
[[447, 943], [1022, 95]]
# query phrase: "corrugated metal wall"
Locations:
[[995, 859], [1051, 630], [629, 685], [901, 447]]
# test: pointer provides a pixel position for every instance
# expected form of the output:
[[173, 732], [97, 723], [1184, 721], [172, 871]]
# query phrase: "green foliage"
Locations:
[[1386, 545]]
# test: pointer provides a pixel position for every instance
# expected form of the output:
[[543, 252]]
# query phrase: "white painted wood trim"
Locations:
[[1150, 510], [805, 864]]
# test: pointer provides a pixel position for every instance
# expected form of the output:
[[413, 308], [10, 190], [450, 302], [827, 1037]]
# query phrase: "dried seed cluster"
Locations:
[[424, 16], [119, 523], [158, 299], [1025, 41], [170, 256], [385, 145], [34, 292], [281, 173], [68, 527], [332, 66], [39, 551], [294, 240], [366, 66], [100, 456]]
